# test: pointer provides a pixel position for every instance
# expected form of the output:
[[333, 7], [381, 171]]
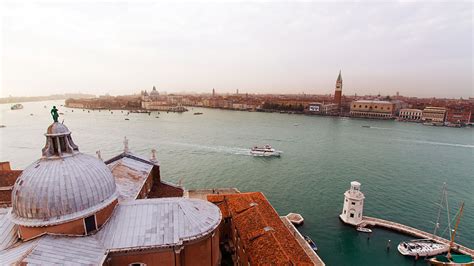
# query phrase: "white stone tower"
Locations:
[[353, 205]]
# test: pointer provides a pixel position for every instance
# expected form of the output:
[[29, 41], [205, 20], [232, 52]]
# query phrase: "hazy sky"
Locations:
[[418, 49]]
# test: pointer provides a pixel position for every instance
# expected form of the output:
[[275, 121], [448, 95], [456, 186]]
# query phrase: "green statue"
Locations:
[[54, 113]]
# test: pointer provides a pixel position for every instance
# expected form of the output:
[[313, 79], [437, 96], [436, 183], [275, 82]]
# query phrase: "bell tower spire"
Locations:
[[338, 91]]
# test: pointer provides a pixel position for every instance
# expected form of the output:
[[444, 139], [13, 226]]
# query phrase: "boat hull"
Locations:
[[265, 154], [422, 248], [364, 230]]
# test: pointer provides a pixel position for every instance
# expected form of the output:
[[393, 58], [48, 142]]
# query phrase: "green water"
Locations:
[[401, 166]]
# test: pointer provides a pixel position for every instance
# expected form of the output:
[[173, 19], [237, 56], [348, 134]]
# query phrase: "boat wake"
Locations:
[[438, 143], [215, 149]]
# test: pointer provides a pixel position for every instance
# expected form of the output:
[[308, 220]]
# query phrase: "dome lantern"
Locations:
[[59, 142]]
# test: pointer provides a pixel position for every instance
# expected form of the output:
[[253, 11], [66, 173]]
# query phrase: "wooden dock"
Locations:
[[370, 221]]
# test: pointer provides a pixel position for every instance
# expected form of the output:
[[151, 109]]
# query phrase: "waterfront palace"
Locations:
[[70, 207]]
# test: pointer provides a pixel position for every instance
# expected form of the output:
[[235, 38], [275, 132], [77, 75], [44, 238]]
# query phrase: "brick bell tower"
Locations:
[[338, 92]]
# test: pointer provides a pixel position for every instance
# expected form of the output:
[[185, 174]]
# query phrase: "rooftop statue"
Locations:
[[54, 113]]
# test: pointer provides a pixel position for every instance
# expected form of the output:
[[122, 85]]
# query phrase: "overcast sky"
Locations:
[[418, 49]]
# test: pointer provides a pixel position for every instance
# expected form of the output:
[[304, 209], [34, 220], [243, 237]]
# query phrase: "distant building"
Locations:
[[338, 91], [372, 109], [155, 101], [410, 115], [458, 115], [256, 235], [154, 94], [434, 114], [323, 109]]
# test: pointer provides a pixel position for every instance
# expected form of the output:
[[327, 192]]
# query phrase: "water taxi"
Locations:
[[266, 150]]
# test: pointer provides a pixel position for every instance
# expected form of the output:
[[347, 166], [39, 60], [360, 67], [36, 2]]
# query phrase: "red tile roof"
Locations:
[[264, 236], [8, 177]]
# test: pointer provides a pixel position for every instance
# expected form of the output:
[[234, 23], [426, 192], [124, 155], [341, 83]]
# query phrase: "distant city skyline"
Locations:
[[417, 49]]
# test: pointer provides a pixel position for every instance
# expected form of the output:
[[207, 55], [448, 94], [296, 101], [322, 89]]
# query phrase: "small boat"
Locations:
[[198, 113], [365, 126], [311, 243], [364, 230], [127, 119], [266, 150], [17, 106], [2, 126], [295, 218]]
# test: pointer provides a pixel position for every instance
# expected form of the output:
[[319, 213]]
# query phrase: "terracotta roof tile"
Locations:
[[8, 177], [219, 200], [265, 238]]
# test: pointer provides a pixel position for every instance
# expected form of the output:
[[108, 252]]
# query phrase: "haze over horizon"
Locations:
[[418, 49]]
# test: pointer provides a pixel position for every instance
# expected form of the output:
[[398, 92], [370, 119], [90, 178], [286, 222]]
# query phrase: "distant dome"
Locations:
[[154, 92], [63, 185]]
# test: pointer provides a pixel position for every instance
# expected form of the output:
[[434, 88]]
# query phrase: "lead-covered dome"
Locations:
[[64, 185]]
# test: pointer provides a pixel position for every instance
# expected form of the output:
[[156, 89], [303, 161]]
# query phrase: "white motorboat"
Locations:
[[364, 230], [422, 248], [266, 150]]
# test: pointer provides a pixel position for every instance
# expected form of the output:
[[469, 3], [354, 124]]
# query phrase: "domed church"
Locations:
[[70, 207], [64, 192]]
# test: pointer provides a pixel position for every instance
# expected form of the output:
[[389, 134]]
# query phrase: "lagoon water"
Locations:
[[402, 166]]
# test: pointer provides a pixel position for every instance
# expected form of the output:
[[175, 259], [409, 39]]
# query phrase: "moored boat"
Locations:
[[17, 106], [198, 113], [266, 150], [311, 243], [421, 248], [364, 230], [427, 247], [295, 218], [453, 259]]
